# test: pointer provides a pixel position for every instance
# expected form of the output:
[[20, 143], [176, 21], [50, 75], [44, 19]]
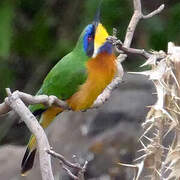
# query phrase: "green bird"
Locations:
[[78, 79]]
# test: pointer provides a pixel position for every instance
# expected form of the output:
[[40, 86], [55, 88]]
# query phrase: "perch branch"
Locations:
[[121, 49], [65, 164], [4, 108], [125, 47], [29, 99], [43, 99], [14, 102]]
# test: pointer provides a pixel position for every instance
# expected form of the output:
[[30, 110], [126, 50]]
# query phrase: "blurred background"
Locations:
[[34, 35]]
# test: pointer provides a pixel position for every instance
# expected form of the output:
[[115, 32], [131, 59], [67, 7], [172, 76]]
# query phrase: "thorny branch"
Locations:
[[159, 161]]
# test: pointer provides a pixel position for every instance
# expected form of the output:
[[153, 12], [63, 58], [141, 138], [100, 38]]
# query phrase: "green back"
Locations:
[[66, 76]]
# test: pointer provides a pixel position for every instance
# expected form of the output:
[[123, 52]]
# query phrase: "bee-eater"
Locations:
[[78, 78]]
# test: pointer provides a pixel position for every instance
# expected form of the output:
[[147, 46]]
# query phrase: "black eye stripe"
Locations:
[[90, 49], [90, 39]]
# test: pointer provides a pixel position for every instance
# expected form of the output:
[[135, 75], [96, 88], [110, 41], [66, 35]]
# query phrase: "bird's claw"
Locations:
[[51, 100]]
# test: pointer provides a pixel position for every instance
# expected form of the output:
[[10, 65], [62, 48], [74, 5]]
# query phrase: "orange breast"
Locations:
[[101, 71]]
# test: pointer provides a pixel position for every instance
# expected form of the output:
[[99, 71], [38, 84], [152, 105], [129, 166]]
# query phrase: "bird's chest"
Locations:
[[101, 71]]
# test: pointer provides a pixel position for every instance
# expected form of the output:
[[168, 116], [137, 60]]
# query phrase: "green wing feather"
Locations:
[[66, 76], [62, 81]]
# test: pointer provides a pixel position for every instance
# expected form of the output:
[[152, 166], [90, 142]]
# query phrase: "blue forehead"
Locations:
[[88, 31]]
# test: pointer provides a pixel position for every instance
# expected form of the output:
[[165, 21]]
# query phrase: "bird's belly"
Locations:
[[101, 71]]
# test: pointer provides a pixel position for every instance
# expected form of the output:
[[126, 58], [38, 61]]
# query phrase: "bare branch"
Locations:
[[13, 100], [29, 99], [137, 5], [137, 16], [125, 47], [63, 159], [155, 12], [69, 173], [121, 49], [65, 164], [131, 28], [43, 99], [133, 23], [4, 108]]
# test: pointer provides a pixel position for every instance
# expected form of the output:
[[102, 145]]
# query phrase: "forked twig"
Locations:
[[67, 164]]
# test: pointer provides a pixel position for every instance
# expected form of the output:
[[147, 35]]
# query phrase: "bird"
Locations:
[[78, 79]]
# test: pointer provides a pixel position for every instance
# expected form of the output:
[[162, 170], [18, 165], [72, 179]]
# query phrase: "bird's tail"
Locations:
[[28, 159], [46, 118]]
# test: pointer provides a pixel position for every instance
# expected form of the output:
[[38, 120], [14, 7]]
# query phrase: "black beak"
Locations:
[[97, 16]]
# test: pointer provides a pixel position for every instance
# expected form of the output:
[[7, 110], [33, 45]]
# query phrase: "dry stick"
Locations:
[[121, 49], [67, 163], [4, 108], [137, 16], [47, 101], [14, 101], [64, 161]]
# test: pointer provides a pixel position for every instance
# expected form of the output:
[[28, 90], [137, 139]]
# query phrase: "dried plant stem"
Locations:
[[156, 174], [40, 99], [162, 118]]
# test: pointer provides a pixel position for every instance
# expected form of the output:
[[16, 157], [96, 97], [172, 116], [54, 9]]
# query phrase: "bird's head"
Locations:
[[94, 38]]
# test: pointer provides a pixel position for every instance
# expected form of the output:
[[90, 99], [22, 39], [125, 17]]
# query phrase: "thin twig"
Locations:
[[155, 12], [65, 164], [64, 160], [121, 49], [137, 16], [70, 173]]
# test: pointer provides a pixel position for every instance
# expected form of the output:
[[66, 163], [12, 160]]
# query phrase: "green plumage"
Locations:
[[62, 81], [66, 76]]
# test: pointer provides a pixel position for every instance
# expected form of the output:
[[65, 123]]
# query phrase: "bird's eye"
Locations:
[[90, 38]]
